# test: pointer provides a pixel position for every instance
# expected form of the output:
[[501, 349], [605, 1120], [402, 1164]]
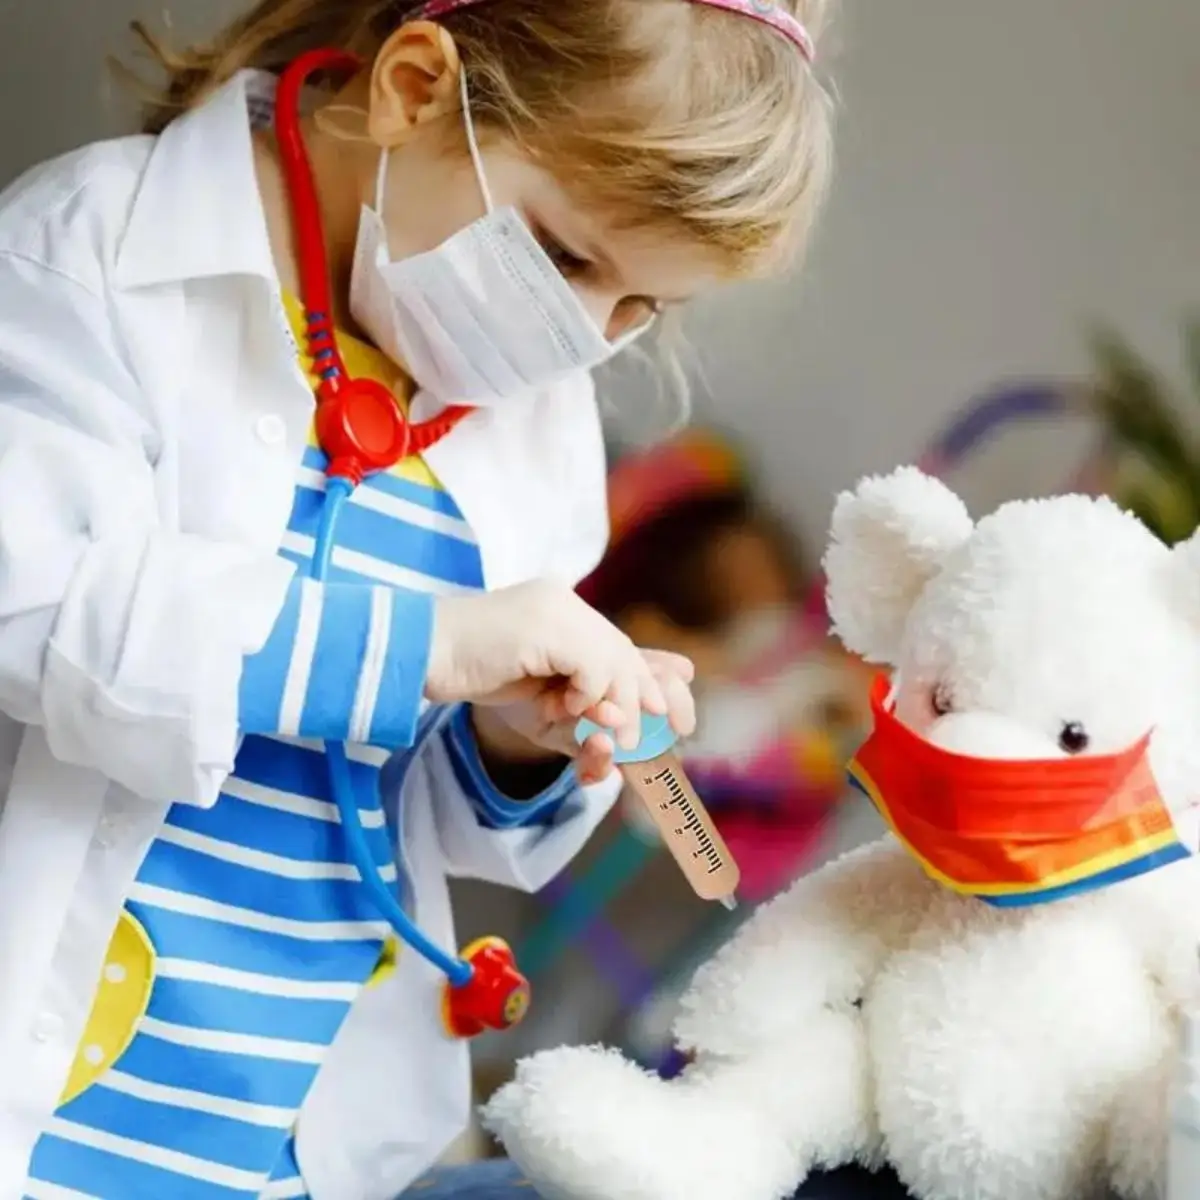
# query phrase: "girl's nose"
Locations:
[[618, 315]]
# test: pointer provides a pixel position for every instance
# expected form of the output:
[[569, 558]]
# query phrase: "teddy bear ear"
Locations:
[[888, 538]]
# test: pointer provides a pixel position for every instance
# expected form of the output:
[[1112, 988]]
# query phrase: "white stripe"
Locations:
[[370, 674], [219, 1106], [368, 756], [308, 628], [260, 860], [376, 568], [309, 931], [286, 1189], [35, 1189], [155, 1156], [400, 509], [396, 507], [299, 806], [232, 1043], [249, 981]]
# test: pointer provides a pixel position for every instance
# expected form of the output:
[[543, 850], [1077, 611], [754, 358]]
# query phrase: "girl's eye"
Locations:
[[940, 700], [568, 263]]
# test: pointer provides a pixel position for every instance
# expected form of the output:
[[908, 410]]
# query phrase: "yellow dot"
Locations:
[[115, 973], [94, 1054]]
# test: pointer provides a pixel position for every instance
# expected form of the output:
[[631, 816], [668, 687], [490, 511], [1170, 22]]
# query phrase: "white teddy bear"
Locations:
[[879, 1012]]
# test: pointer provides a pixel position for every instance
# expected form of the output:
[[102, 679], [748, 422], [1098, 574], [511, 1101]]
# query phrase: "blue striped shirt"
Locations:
[[247, 936]]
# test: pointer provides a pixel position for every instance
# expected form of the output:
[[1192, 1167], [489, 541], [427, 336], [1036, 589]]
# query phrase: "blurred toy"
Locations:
[[987, 998]]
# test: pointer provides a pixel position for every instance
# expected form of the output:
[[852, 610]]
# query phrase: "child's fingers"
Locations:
[[681, 705], [605, 714], [594, 763], [654, 699], [666, 662]]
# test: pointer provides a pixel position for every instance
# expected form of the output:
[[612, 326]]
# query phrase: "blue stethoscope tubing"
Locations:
[[341, 781]]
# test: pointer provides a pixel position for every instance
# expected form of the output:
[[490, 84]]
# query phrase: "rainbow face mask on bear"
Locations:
[[1016, 832]]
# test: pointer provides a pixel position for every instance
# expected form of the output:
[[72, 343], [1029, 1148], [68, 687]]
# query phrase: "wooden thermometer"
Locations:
[[654, 773]]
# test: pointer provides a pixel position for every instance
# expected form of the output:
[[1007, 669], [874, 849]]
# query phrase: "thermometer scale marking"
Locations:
[[705, 847], [685, 826]]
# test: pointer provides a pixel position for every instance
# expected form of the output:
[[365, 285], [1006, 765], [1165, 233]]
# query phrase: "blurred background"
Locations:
[[1001, 290]]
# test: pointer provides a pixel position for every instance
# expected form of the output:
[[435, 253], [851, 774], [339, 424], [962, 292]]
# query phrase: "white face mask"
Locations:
[[483, 317]]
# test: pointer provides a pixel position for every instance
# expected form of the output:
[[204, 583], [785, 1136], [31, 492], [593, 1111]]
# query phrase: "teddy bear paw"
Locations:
[[584, 1123]]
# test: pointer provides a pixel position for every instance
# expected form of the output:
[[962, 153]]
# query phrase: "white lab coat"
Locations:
[[152, 413]]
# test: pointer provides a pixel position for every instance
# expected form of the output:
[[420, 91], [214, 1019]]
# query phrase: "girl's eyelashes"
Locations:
[[572, 265]]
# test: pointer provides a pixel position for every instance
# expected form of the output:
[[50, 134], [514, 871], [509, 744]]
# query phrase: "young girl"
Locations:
[[269, 673]]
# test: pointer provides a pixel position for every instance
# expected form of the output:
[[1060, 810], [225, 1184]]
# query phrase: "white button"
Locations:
[[46, 1027], [271, 429], [106, 834], [94, 1054], [115, 973]]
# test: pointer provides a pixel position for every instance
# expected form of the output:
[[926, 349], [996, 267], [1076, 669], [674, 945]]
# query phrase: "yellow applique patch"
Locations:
[[386, 965], [122, 997]]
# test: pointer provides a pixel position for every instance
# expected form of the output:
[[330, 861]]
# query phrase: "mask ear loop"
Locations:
[[381, 181], [472, 141], [472, 147]]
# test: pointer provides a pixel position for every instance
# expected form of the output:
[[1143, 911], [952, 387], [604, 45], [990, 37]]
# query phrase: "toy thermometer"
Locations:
[[656, 776]]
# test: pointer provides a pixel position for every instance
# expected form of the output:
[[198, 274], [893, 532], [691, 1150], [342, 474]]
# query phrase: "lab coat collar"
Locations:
[[201, 178]]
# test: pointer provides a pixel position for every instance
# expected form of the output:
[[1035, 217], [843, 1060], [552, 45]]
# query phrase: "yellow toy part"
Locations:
[[122, 997], [386, 966]]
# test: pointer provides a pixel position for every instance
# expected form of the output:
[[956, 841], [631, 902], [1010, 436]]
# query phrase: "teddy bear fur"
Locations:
[[869, 1014]]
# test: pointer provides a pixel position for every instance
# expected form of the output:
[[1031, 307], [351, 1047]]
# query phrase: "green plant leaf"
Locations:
[[1138, 409], [1191, 353]]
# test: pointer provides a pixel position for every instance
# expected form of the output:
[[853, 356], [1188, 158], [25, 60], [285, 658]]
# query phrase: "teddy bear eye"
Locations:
[[940, 700], [1073, 738]]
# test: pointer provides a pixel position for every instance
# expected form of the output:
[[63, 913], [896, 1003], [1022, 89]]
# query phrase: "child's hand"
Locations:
[[543, 725], [541, 644]]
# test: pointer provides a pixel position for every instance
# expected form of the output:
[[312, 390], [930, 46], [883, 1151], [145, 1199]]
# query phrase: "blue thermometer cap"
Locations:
[[657, 738]]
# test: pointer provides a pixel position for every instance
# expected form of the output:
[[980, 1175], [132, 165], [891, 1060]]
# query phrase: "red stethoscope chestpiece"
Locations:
[[495, 997], [361, 429]]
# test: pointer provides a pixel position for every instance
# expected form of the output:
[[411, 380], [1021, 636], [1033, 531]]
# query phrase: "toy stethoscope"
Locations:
[[363, 430]]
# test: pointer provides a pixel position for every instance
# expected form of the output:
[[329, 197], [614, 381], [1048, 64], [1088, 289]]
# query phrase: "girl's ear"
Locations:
[[414, 79], [888, 539]]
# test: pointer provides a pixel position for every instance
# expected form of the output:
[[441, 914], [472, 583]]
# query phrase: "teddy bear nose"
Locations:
[[990, 735]]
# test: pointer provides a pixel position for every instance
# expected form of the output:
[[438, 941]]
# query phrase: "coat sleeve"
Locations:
[[136, 647], [525, 850], [484, 834]]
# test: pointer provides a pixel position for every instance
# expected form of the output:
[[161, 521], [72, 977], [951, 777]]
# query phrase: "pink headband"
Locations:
[[765, 11]]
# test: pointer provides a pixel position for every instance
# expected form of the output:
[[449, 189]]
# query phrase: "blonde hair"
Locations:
[[677, 116]]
